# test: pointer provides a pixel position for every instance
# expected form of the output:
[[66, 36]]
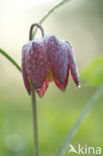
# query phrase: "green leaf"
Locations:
[[93, 74], [59, 4], [5, 54], [80, 120]]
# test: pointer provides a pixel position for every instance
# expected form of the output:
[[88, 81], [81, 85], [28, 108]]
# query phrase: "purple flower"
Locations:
[[48, 59]]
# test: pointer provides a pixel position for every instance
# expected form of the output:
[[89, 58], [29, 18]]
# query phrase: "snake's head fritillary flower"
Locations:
[[45, 60]]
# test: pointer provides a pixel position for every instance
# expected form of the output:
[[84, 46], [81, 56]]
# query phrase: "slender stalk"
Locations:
[[10, 59], [31, 29], [34, 111], [80, 119], [49, 13]]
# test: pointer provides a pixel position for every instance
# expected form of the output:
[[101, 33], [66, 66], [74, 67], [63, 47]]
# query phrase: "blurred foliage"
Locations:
[[93, 74], [57, 113]]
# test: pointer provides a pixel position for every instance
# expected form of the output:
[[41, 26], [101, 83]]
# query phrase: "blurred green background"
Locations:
[[79, 21]]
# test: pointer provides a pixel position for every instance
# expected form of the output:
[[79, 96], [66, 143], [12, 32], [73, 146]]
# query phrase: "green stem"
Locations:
[[49, 13], [34, 111], [80, 120], [10, 59], [34, 104]]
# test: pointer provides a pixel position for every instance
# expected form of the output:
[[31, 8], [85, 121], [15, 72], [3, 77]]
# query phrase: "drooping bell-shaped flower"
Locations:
[[45, 60]]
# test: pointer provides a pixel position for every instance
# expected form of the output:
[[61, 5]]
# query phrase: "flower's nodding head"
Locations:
[[45, 60]]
